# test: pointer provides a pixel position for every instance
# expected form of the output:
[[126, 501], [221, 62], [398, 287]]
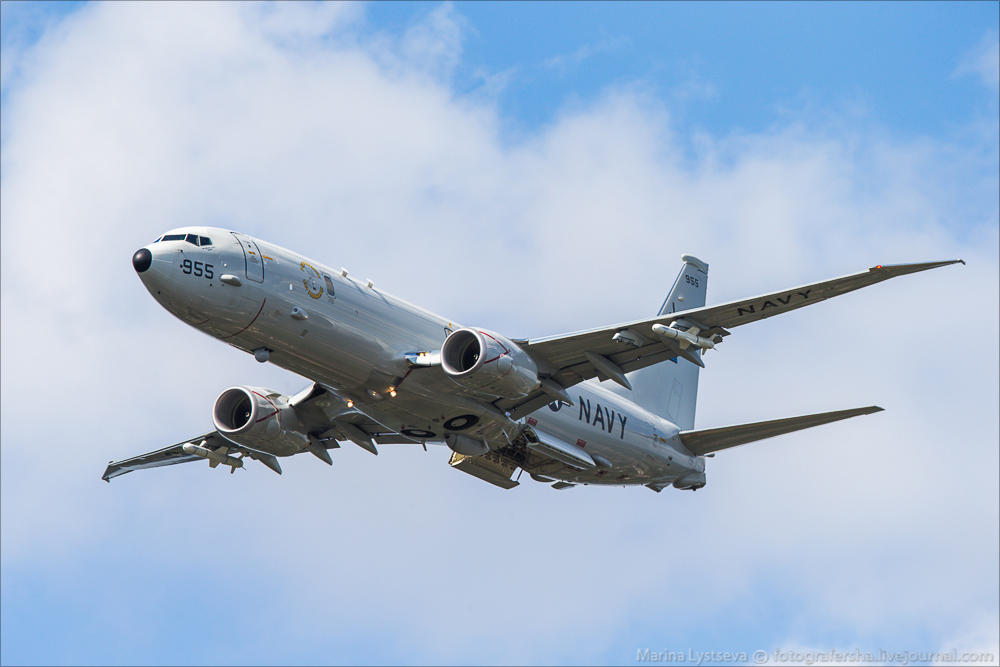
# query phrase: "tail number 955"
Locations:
[[197, 268]]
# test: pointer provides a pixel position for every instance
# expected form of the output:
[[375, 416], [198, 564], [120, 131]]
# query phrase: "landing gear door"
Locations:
[[252, 256]]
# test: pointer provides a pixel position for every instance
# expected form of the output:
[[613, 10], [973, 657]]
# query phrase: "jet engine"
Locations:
[[260, 419], [489, 363]]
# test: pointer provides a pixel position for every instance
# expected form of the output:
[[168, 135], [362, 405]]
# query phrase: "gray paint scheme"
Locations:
[[374, 365]]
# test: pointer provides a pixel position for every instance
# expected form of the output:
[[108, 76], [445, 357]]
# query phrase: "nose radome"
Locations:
[[142, 259]]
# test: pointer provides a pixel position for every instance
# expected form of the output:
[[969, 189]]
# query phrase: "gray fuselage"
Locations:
[[353, 338]]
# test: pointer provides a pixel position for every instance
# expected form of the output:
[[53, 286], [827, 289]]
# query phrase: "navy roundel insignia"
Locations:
[[461, 422]]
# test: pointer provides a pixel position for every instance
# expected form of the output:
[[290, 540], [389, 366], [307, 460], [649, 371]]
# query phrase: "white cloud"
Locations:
[[23, 23], [983, 61], [434, 44], [981, 640], [309, 22], [278, 121], [566, 62]]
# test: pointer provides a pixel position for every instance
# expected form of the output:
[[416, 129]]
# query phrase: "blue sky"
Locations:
[[738, 66], [533, 169]]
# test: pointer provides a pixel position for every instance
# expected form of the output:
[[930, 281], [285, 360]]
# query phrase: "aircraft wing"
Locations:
[[711, 440], [167, 456], [212, 446], [326, 412], [610, 352], [736, 313]]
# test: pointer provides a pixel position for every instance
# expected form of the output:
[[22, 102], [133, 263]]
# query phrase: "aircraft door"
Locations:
[[252, 257]]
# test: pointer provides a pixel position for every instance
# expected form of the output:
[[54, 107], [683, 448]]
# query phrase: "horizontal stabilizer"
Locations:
[[711, 440]]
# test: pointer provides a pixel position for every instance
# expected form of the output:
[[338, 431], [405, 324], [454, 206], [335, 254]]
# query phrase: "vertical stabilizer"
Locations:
[[670, 389]]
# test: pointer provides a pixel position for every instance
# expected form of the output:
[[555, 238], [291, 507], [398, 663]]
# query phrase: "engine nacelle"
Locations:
[[489, 363], [260, 419]]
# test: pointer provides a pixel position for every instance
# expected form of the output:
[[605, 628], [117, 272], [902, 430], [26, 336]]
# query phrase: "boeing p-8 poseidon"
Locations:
[[612, 405]]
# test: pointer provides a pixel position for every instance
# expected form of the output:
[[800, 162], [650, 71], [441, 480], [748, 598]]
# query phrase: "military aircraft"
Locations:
[[611, 405]]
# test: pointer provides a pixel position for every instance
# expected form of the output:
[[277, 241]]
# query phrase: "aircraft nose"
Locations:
[[141, 260]]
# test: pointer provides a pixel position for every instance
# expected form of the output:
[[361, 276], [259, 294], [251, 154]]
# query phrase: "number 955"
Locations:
[[197, 268]]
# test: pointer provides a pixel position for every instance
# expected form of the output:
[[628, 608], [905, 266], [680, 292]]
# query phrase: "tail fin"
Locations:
[[670, 389]]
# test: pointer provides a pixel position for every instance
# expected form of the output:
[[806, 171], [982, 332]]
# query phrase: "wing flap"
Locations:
[[711, 440], [322, 408]]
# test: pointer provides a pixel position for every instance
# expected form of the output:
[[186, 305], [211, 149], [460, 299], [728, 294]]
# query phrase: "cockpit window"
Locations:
[[190, 238]]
